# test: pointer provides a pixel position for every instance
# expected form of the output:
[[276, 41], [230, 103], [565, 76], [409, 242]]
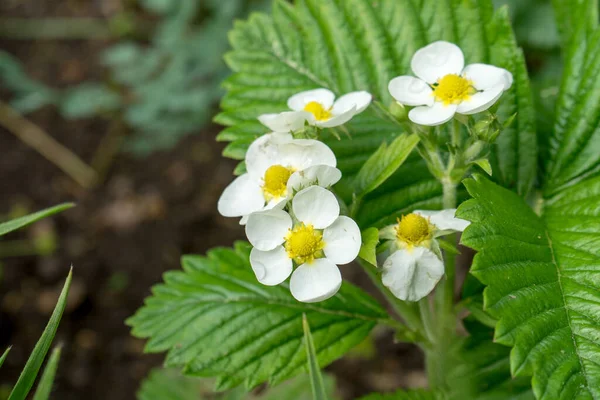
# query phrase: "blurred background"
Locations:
[[108, 103]]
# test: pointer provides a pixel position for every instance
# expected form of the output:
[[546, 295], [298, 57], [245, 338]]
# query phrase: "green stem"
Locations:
[[407, 311]]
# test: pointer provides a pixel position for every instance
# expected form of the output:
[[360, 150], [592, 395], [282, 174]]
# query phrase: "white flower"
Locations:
[[415, 266], [278, 166], [318, 108], [317, 240], [445, 87]]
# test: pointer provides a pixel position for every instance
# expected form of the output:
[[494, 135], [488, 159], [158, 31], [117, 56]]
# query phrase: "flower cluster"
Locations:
[[293, 220]]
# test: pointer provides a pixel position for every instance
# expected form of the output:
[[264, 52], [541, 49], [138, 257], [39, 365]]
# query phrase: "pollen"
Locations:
[[413, 229], [275, 181], [304, 244], [453, 89], [321, 113]]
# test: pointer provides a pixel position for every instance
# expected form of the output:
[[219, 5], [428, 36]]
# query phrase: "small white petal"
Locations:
[[244, 220], [359, 100], [322, 96], [286, 121], [411, 91], [485, 76], [264, 152], [444, 220], [412, 274], [437, 114], [243, 196], [481, 101], [337, 120], [316, 281], [316, 206], [303, 153], [342, 241], [267, 229], [271, 267], [320, 175], [437, 60]]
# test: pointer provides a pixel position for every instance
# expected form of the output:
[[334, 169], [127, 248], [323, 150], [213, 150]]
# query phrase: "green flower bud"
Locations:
[[399, 111]]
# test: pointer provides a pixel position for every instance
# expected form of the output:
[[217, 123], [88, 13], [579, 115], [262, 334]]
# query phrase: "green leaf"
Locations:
[[572, 14], [483, 369], [45, 386], [215, 319], [368, 249], [4, 355], [17, 223], [383, 163], [574, 147], [406, 395], [29, 373], [485, 165], [347, 45], [542, 280], [316, 380], [88, 99]]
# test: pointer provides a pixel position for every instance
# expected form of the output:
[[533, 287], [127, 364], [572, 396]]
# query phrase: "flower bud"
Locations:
[[399, 111]]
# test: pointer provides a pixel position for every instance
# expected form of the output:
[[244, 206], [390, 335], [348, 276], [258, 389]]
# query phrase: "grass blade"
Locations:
[[27, 378], [45, 386], [4, 356], [17, 223], [316, 379]]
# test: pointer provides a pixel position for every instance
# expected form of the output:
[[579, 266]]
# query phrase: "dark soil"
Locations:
[[121, 237]]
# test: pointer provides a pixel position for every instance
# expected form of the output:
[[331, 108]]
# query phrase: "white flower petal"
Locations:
[[337, 120], [437, 114], [320, 175], [303, 153], [316, 281], [322, 96], [342, 240], [271, 267], [243, 196], [264, 152], [437, 60], [411, 91], [267, 229], [316, 206], [485, 76], [412, 274], [481, 101], [444, 220], [360, 100], [286, 121]]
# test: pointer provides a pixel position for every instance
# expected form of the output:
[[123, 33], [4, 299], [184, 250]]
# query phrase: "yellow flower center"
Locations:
[[453, 89], [413, 229], [275, 181], [321, 113], [303, 244]]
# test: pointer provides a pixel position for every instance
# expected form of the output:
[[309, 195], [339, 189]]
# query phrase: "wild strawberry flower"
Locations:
[[444, 86], [316, 239], [318, 107], [415, 265], [278, 165]]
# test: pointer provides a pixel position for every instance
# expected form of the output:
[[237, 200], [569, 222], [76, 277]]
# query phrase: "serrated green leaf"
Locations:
[[542, 277], [314, 372], [574, 147], [572, 15], [215, 319], [483, 369], [416, 394], [17, 223], [383, 163], [348, 45], [368, 249], [47, 380], [4, 355], [32, 367]]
